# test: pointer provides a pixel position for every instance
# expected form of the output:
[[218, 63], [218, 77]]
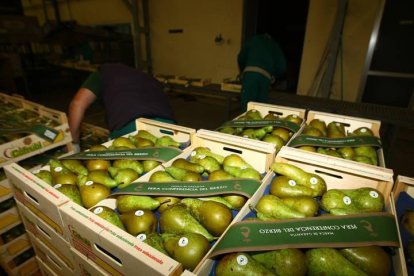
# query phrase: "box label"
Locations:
[[245, 187], [261, 123], [152, 153], [325, 231], [350, 141]]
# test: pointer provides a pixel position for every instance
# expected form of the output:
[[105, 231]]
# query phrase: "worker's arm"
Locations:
[[77, 109]]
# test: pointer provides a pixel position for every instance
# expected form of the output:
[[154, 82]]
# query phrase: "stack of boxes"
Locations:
[[71, 240]]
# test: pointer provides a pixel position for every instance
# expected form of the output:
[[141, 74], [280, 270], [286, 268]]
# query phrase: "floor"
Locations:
[[191, 111]]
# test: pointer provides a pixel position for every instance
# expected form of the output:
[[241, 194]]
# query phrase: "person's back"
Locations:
[[128, 93], [260, 60]]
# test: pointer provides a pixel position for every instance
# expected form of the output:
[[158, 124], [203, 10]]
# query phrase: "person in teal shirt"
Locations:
[[260, 61]]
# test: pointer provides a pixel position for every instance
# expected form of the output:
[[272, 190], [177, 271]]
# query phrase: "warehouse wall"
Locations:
[[192, 53], [358, 26]]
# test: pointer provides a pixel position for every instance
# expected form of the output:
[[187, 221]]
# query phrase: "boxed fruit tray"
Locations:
[[404, 202], [117, 250], [27, 129], [92, 135], [269, 123], [286, 224], [351, 139], [37, 194]]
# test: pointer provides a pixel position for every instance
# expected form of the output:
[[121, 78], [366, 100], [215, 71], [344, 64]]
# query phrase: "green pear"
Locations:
[[183, 174], [185, 164], [139, 221], [122, 142], [271, 116], [154, 240], [71, 191], [311, 180], [102, 177], [240, 264], [248, 133], [373, 260], [306, 205], [92, 193], [294, 119], [346, 152], [312, 131], [228, 130], [335, 130], [362, 131], [187, 249], [275, 140], [98, 148], [146, 135], [75, 166], [166, 141], [149, 165], [199, 152], [128, 203], [130, 164], [320, 125], [260, 133], [210, 164], [249, 173], [290, 261], [282, 186], [235, 160], [178, 220], [308, 148], [214, 216], [64, 178], [352, 201], [141, 142], [333, 152], [166, 201], [253, 114], [328, 261], [219, 175], [283, 133], [45, 175], [218, 199], [270, 207], [236, 201], [161, 176], [109, 215], [123, 177], [97, 164], [369, 152], [363, 159]]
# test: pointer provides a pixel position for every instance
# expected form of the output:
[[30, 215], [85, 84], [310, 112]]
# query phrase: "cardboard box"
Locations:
[[231, 85], [92, 135], [351, 124], [44, 268], [114, 250], [31, 144], [49, 257], [47, 235], [5, 190], [9, 219], [29, 267], [277, 110], [36, 195], [111, 248], [14, 247], [86, 266], [336, 177]]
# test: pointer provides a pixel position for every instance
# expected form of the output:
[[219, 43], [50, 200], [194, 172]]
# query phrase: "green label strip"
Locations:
[[245, 187], [352, 141], [154, 153], [41, 131], [326, 231], [261, 123]]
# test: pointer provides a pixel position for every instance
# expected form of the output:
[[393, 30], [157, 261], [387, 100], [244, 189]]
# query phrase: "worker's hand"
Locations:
[[76, 147]]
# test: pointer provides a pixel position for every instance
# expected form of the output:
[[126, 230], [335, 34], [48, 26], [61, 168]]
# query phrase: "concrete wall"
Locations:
[[192, 53], [358, 26]]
